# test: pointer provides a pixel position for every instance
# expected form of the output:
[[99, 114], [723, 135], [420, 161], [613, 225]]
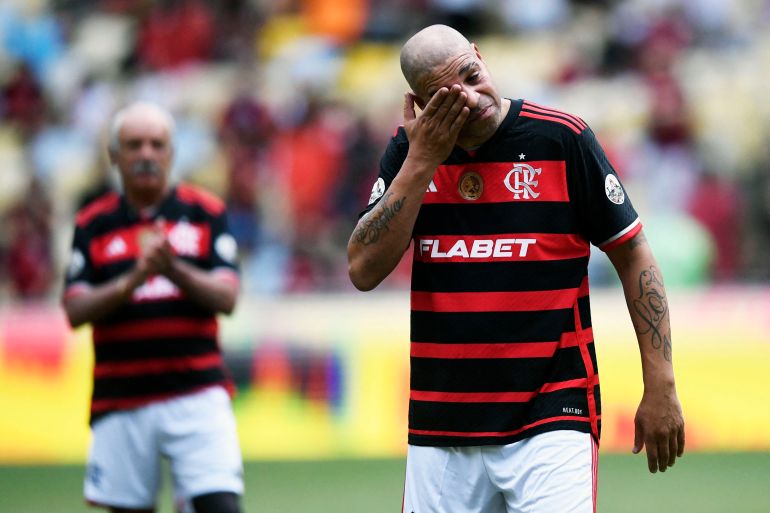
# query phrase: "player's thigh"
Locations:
[[448, 479], [123, 468], [201, 441], [553, 471]]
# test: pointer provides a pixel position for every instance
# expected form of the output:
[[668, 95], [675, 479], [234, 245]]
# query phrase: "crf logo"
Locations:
[[523, 181], [185, 239]]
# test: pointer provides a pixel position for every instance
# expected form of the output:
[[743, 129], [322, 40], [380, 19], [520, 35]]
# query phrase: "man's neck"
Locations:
[[144, 202]]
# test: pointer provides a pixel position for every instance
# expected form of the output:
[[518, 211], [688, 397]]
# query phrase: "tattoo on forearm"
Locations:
[[372, 226], [652, 309]]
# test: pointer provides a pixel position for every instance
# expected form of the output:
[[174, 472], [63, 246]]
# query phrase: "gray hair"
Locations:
[[145, 108]]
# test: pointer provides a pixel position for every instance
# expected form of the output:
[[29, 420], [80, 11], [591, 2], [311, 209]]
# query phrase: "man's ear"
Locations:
[[477, 51]]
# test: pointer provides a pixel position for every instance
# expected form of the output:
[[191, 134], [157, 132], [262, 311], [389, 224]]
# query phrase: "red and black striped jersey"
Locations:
[[501, 340], [159, 344]]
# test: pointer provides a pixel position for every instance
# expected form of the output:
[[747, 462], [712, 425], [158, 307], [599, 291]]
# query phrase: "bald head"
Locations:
[[429, 48], [140, 110]]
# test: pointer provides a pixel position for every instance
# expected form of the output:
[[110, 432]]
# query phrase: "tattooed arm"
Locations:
[[659, 424], [382, 235]]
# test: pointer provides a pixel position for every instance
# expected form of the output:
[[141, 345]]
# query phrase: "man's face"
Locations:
[[469, 71], [144, 154]]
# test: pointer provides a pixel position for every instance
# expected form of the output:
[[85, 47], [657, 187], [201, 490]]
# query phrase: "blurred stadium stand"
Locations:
[[284, 106]]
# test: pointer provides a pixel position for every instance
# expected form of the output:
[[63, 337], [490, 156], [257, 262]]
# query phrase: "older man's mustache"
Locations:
[[145, 167]]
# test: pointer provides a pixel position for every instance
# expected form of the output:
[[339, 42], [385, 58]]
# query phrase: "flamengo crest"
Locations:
[[524, 182]]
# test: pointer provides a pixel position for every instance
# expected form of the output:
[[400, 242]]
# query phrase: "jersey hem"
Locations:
[[583, 426], [227, 385]]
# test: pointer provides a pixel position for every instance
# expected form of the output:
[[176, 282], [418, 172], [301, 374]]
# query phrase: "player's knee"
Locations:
[[217, 502]]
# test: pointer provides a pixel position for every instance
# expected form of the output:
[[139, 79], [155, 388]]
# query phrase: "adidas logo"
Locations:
[[117, 246]]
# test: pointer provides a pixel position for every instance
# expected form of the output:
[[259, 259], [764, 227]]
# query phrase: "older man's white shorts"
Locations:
[[547, 473], [196, 433]]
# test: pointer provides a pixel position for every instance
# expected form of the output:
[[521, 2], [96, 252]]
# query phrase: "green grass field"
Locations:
[[699, 483]]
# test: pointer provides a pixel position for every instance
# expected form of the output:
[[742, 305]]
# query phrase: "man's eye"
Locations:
[[474, 78]]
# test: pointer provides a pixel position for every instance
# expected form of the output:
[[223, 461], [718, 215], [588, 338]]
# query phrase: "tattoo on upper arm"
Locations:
[[652, 309], [376, 222]]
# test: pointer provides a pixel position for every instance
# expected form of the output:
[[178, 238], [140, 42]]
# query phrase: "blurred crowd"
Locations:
[[284, 107]]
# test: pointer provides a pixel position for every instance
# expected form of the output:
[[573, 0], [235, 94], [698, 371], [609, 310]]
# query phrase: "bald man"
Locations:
[[150, 270], [501, 200]]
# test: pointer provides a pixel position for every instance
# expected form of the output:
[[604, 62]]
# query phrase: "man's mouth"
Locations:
[[478, 114]]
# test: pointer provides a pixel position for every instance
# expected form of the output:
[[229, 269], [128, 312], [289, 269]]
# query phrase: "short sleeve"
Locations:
[[80, 270], [224, 248], [605, 213], [390, 164]]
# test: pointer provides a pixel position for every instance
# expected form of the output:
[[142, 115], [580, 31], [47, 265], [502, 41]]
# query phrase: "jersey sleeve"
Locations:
[[224, 248], [80, 271], [606, 216], [390, 164]]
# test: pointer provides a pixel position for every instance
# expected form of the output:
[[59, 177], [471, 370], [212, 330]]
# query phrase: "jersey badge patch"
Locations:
[[470, 186], [145, 237], [613, 190]]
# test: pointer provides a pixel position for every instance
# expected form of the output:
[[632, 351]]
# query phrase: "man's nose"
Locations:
[[146, 151], [472, 100]]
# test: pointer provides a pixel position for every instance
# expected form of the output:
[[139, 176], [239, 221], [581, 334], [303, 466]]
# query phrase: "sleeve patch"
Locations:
[[614, 190], [76, 265], [226, 247]]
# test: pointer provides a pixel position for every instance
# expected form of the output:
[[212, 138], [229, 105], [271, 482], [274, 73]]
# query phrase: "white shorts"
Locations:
[[547, 473], [196, 433]]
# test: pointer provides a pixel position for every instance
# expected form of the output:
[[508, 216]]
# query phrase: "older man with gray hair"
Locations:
[[150, 270]]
